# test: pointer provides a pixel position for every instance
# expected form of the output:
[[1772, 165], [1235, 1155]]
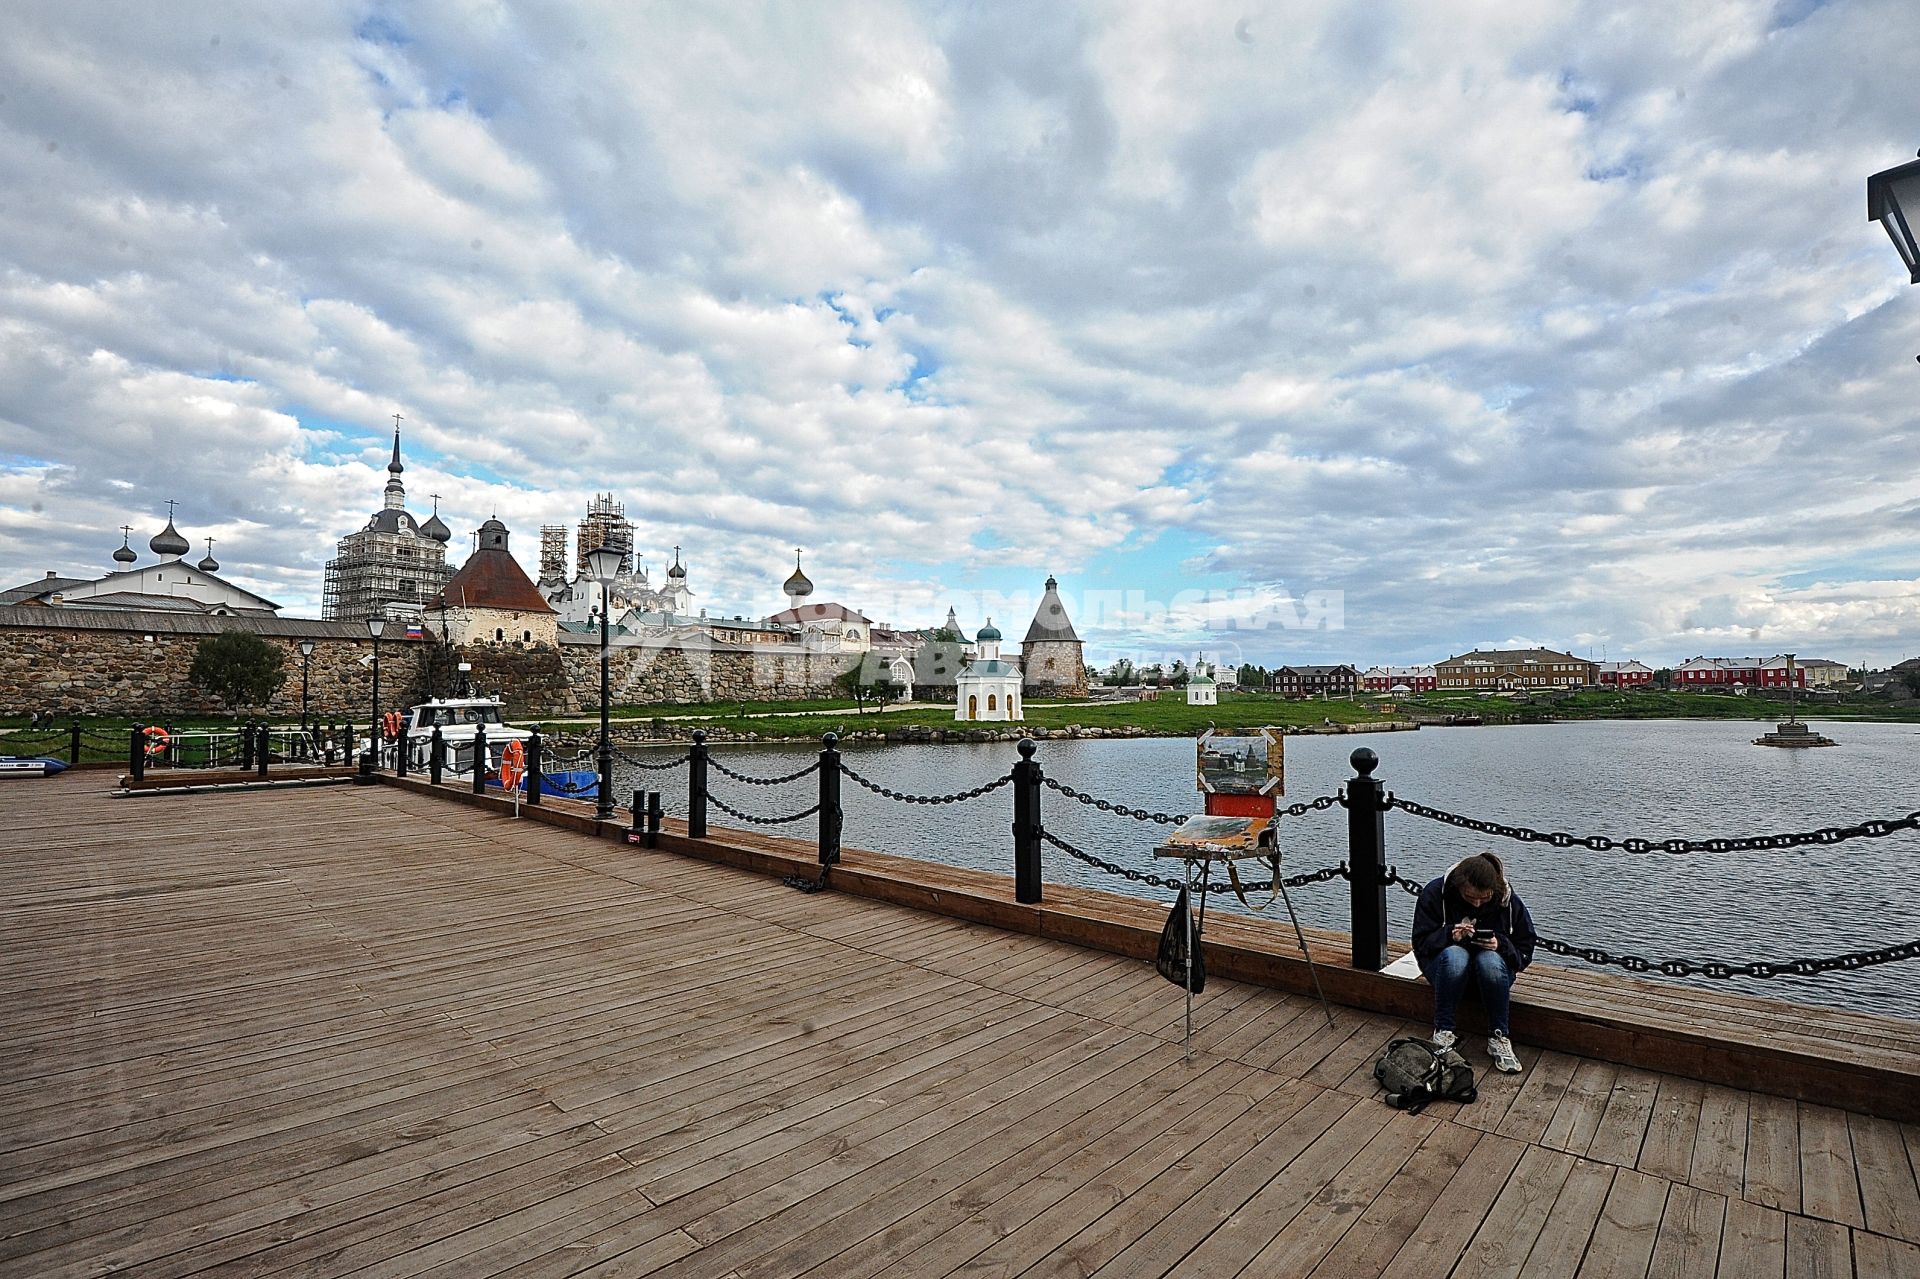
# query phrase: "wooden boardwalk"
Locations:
[[358, 1031]]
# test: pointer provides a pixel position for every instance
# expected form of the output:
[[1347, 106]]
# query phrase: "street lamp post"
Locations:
[[1893, 200], [375, 625], [603, 562], [306, 668]]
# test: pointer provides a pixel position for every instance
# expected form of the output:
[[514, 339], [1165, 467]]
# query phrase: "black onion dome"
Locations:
[[168, 541], [436, 529], [208, 565], [799, 585], [676, 571], [125, 554]]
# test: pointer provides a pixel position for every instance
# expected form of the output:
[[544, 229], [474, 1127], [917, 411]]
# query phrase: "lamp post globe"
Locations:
[[375, 625], [1893, 200], [306, 668], [603, 562]]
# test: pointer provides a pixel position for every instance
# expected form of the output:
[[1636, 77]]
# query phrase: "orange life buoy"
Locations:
[[513, 764], [393, 725], [157, 740]]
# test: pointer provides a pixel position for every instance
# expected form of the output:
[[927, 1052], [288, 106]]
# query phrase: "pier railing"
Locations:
[[247, 747], [715, 785]]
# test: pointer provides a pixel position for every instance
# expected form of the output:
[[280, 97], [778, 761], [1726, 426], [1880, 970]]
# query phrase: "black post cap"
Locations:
[[1026, 748], [1364, 761], [829, 740]]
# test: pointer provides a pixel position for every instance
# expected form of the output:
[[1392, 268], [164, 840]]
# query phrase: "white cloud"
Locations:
[[1558, 322]]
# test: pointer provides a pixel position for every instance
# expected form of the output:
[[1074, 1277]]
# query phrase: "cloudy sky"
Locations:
[[1286, 332]]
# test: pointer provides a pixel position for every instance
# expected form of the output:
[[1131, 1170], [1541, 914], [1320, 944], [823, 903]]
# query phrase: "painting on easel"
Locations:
[[1253, 764]]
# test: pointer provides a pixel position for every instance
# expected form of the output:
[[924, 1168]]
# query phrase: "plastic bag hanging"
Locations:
[[1173, 958]]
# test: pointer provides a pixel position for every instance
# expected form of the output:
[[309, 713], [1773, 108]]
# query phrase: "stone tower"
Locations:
[[1051, 659]]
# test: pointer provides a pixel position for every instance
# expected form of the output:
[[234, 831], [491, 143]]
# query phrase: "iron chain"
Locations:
[[652, 766], [731, 811], [1162, 881], [714, 763], [1721, 968], [959, 797], [1600, 843]]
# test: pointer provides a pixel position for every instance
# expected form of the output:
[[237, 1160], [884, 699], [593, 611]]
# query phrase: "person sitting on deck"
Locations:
[[1471, 920]]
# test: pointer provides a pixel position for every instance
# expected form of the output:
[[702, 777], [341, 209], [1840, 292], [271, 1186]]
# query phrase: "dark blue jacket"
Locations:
[[1438, 910]]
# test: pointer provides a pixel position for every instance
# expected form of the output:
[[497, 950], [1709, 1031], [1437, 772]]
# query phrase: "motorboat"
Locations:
[[30, 766], [459, 720]]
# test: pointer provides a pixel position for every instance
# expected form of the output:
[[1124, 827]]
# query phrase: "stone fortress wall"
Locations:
[[96, 662]]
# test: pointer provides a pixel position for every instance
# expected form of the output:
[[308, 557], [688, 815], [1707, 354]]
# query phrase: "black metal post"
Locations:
[[263, 737], [1026, 825], [306, 668], [246, 745], [137, 753], [400, 756], [697, 786], [479, 759], [603, 807], [73, 742], [374, 736], [653, 819], [536, 764], [1367, 862], [436, 755], [829, 799], [638, 825]]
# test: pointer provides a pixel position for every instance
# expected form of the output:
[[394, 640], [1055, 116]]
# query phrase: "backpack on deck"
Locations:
[[1414, 1073]]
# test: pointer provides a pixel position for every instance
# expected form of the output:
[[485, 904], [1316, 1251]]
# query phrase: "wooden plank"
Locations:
[[1889, 1195], [1689, 1241], [1094, 1220], [1533, 1107], [1577, 1117], [1622, 1129], [1720, 1146], [1401, 1207], [1513, 1223], [1818, 1250], [1878, 1257], [1773, 1152], [1325, 1214], [1829, 1186], [1672, 1129], [1753, 1243], [1629, 1226], [1573, 1218]]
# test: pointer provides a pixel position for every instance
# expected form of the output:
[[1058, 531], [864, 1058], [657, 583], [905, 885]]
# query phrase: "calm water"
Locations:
[[1657, 780]]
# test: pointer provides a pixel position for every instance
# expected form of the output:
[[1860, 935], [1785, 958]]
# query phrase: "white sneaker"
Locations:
[[1500, 1048], [1442, 1039]]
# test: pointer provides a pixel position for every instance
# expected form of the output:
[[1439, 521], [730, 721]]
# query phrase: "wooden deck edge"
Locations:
[[1268, 954], [197, 778]]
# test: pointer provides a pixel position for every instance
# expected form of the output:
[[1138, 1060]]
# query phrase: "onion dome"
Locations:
[[394, 467], [799, 586], [677, 572], [126, 554], [169, 542], [209, 564], [989, 634], [435, 528]]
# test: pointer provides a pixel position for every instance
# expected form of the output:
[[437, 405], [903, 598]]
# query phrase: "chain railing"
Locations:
[[1764, 969], [714, 763], [1872, 829], [1131, 875], [958, 797], [651, 765], [731, 811], [1108, 806]]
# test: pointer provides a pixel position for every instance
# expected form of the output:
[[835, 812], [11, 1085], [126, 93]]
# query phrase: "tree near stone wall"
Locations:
[[239, 668]]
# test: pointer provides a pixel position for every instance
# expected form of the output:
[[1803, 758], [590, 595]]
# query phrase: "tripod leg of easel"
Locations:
[[1305, 954], [1187, 974]]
